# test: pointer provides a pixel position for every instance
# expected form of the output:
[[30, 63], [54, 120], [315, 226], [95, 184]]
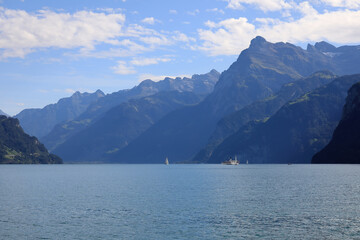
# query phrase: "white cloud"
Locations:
[[69, 90], [150, 20], [124, 48], [172, 11], [148, 61], [157, 78], [231, 36], [216, 10], [306, 9], [156, 40], [339, 26], [22, 33], [181, 37], [123, 68], [194, 13], [264, 5], [84, 34], [352, 4]]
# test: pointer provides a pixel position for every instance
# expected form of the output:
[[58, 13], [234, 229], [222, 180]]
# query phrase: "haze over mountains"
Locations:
[[39, 122], [272, 96], [259, 72], [121, 124], [201, 85], [2, 113]]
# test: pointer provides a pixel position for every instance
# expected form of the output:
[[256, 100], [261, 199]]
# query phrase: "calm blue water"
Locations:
[[179, 202]]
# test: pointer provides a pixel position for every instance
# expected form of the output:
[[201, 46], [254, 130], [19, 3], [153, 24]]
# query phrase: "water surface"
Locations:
[[179, 202]]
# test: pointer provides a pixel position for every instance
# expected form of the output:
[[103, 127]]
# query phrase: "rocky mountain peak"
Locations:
[[325, 47], [257, 42]]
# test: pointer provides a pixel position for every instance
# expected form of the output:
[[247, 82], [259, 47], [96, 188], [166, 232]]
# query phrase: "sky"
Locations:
[[49, 48]]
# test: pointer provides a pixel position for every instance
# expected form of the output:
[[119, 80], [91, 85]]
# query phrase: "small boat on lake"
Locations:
[[231, 162], [166, 161]]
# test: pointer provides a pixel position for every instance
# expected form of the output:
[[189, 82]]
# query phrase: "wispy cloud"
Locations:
[[123, 68], [194, 13], [155, 40], [69, 90], [264, 5], [352, 4], [216, 10], [150, 20], [181, 37], [148, 61], [172, 11]]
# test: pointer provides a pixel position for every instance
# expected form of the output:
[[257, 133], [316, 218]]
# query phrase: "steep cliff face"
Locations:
[[294, 133], [16, 147], [344, 147], [260, 110]]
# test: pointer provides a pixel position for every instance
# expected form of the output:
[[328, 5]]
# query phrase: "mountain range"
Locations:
[[121, 124], [274, 95], [200, 84], [39, 122], [344, 147], [18, 147], [293, 134], [260, 110], [258, 73]]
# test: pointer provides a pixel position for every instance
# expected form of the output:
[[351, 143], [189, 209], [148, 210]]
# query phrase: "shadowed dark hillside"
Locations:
[[17, 147], [344, 147]]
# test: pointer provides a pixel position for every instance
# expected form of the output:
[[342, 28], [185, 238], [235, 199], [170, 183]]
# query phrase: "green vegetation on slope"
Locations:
[[293, 134], [262, 109], [16, 147]]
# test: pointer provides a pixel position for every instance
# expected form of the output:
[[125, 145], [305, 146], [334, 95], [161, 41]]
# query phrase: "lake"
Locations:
[[179, 202]]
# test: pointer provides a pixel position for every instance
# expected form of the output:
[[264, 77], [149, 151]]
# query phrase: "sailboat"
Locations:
[[166, 161], [247, 161]]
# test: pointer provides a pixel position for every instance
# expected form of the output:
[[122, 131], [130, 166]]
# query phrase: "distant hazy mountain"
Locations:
[[293, 134], [343, 60], [344, 146], [17, 147], [39, 122], [2, 113], [121, 125], [201, 84], [258, 73], [260, 110]]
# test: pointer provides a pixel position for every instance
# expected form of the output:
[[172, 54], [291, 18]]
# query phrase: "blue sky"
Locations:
[[51, 48]]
